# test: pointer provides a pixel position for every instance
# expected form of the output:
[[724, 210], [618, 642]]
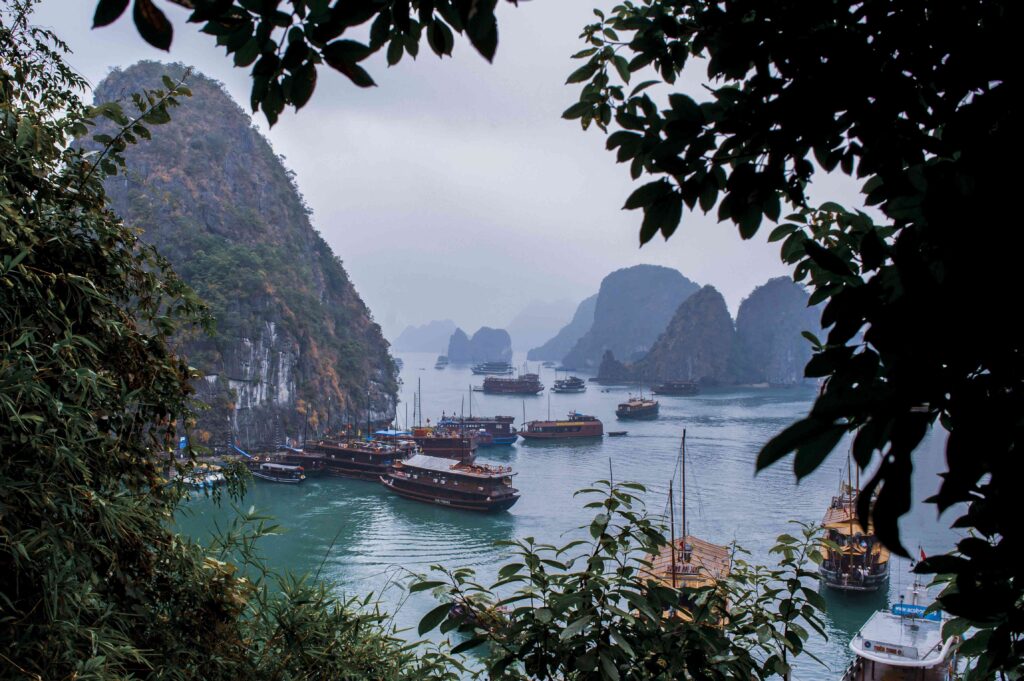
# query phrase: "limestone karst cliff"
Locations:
[[634, 305], [295, 345], [769, 344]]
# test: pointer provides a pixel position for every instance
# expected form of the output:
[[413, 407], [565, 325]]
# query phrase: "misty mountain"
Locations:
[[538, 321], [486, 345], [769, 323], [430, 337], [696, 346], [634, 305], [559, 346], [294, 340]]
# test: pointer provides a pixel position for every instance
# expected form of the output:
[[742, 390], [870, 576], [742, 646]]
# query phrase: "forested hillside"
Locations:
[[294, 340]]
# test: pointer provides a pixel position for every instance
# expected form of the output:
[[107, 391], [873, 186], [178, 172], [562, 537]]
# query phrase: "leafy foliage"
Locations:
[[287, 45], [590, 610], [93, 582], [917, 101]]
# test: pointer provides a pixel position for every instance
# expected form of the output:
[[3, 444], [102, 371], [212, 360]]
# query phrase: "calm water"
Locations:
[[377, 536]]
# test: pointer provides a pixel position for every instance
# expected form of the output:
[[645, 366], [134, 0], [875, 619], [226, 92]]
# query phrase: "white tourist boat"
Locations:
[[903, 643]]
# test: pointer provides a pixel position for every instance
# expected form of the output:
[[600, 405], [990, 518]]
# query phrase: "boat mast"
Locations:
[[672, 523], [682, 485]]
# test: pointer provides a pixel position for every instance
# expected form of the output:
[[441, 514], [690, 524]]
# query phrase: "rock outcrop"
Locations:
[[295, 346], [634, 305], [430, 337], [537, 322], [769, 345], [486, 345], [696, 346], [559, 346]]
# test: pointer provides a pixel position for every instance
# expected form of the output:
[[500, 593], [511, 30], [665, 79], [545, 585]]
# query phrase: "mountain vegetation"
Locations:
[[557, 347], [430, 337], [486, 345], [294, 342], [769, 323], [634, 305]]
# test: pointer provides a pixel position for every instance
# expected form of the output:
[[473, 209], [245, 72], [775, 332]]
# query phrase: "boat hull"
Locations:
[[281, 481], [425, 494], [846, 582], [637, 414]]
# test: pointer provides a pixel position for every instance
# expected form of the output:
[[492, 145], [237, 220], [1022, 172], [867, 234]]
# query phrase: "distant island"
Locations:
[[559, 346], [430, 337], [486, 345]]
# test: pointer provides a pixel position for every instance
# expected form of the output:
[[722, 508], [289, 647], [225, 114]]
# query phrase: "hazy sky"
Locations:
[[454, 189]]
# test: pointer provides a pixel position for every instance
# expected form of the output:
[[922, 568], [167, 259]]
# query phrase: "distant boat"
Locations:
[[496, 430], [676, 388], [548, 364], [526, 384], [399, 364], [575, 426], [616, 433], [573, 384], [638, 408], [492, 369], [442, 362]]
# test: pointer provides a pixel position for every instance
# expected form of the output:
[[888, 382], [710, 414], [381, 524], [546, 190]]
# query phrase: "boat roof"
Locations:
[[454, 466], [392, 433], [707, 562], [901, 641], [279, 467]]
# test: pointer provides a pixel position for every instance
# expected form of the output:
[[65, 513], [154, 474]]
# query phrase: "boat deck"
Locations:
[[707, 562]]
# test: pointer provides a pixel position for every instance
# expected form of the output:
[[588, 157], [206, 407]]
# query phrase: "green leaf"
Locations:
[[108, 11], [469, 644], [647, 194], [152, 25], [575, 627], [425, 585], [395, 52], [622, 66], [585, 72], [433, 618]]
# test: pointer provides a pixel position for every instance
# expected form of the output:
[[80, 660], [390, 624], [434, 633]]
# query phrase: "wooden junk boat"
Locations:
[[447, 443], [861, 563], [638, 408], [357, 458], [903, 642], [576, 425], [676, 388], [448, 482], [688, 562], [525, 384], [490, 430], [492, 368]]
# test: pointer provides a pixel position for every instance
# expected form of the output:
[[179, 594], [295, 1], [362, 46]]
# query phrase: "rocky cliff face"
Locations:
[[633, 307], [769, 347], [697, 345], [295, 344], [430, 337], [559, 346], [486, 345]]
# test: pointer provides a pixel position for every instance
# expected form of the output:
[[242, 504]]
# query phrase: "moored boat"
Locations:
[[638, 408], [492, 368], [357, 458], [854, 560], [442, 362], [572, 384], [447, 443], [452, 483], [687, 562], [676, 388], [277, 472], [490, 430], [525, 384], [575, 426], [903, 642]]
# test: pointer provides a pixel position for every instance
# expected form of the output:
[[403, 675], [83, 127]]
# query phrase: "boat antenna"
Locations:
[[524, 412], [672, 525], [419, 391], [549, 406], [470, 400]]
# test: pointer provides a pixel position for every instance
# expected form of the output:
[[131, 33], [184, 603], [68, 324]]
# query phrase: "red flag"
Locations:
[[922, 553]]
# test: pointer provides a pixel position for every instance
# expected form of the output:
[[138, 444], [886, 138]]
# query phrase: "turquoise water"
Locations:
[[371, 537]]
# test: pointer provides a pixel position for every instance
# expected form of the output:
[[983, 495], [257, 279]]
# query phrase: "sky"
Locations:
[[454, 189]]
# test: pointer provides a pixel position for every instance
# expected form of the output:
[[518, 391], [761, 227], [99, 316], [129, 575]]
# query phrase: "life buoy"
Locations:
[[256, 459]]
